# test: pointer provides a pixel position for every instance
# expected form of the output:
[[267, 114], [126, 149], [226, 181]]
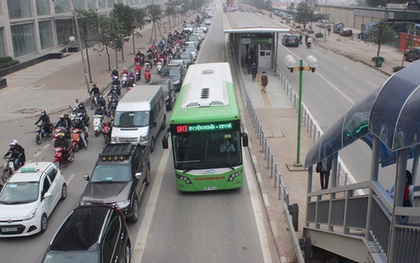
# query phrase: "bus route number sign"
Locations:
[[204, 127]]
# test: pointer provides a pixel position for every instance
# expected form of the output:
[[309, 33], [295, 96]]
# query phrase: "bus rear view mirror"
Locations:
[[245, 139], [165, 140]]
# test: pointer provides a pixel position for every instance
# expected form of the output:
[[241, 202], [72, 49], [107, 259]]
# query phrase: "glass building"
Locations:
[[29, 27]]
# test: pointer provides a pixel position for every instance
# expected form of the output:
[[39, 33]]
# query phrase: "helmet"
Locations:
[[43, 112], [13, 142], [66, 115], [62, 117], [61, 135]]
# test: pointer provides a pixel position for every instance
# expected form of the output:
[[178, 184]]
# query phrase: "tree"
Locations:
[[381, 34], [155, 14], [375, 3], [304, 13], [129, 19]]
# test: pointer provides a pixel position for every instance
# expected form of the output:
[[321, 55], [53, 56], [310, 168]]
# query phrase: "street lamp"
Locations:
[[292, 65]]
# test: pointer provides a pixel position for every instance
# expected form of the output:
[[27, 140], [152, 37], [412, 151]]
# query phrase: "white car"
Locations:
[[29, 197], [202, 28], [207, 22]]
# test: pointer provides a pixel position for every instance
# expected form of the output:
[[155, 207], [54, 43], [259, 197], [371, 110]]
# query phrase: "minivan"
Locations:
[[139, 116]]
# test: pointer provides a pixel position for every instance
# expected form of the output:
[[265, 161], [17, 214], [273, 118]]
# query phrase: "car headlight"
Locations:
[[85, 203], [123, 204], [113, 139], [31, 215], [143, 138]]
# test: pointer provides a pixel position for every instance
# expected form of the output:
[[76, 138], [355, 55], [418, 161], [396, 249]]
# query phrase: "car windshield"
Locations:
[[112, 172], [71, 256], [20, 193], [171, 73], [131, 119], [184, 55]]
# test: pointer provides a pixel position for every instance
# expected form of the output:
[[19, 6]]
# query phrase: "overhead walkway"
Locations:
[[361, 221]]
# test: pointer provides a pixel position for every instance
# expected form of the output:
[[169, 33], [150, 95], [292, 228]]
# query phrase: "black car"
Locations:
[[290, 40], [168, 91], [412, 54], [176, 73], [91, 234], [119, 178]]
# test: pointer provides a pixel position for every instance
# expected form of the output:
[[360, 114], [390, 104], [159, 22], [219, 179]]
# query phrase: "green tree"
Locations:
[[381, 34], [129, 19], [304, 13], [375, 3]]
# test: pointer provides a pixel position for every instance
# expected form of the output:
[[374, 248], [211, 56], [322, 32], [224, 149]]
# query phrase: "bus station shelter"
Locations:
[[260, 42]]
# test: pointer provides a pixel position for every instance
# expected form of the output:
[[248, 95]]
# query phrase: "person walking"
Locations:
[[264, 81], [254, 71], [323, 168], [248, 62]]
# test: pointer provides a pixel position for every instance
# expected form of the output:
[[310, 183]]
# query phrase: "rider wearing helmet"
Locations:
[[125, 71], [45, 122], [99, 110], [102, 102], [115, 73], [63, 122], [80, 124], [17, 153]]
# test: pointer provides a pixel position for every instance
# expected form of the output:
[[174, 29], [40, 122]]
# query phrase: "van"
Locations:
[[139, 116]]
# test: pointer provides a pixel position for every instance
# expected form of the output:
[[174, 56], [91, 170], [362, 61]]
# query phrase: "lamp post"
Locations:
[[292, 65], [80, 46]]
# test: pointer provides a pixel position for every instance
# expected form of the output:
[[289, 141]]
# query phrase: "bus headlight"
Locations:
[[234, 175], [183, 178]]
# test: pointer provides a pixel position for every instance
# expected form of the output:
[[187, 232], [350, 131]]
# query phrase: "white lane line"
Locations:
[[373, 84], [141, 238], [336, 88], [46, 146], [37, 154], [68, 181], [257, 207]]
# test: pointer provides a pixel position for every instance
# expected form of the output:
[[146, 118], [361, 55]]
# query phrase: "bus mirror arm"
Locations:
[[244, 139], [165, 139]]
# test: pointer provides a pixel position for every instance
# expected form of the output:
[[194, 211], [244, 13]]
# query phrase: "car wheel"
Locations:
[[163, 123], [127, 253], [44, 223], [135, 217], [152, 144], [147, 179], [63, 192]]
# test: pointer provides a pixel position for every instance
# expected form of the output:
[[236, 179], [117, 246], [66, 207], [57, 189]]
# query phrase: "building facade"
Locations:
[[28, 27]]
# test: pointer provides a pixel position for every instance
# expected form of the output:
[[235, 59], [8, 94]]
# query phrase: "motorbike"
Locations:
[[138, 75], [147, 73], [76, 138], [124, 80], [42, 133], [112, 106], [79, 114], [106, 131], [62, 159], [8, 169], [57, 132], [97, 124], [159, 67], [93, 101], [309, 42]]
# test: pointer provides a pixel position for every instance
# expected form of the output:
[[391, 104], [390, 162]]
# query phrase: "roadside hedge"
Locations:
[[7, 62]]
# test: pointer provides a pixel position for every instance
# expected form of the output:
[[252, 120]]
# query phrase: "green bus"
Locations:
[[205, 131]]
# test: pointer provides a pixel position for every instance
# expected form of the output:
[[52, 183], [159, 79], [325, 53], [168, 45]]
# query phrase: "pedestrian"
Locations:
[[323, 168], [248, 62], [254, 71], [264, 81], [329, 29]]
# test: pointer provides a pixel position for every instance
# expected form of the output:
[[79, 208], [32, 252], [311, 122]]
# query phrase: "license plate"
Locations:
[[211, 188], [9, 229]]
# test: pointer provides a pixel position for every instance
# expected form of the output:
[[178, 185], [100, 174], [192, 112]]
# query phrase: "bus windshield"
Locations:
[[207, 150]]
